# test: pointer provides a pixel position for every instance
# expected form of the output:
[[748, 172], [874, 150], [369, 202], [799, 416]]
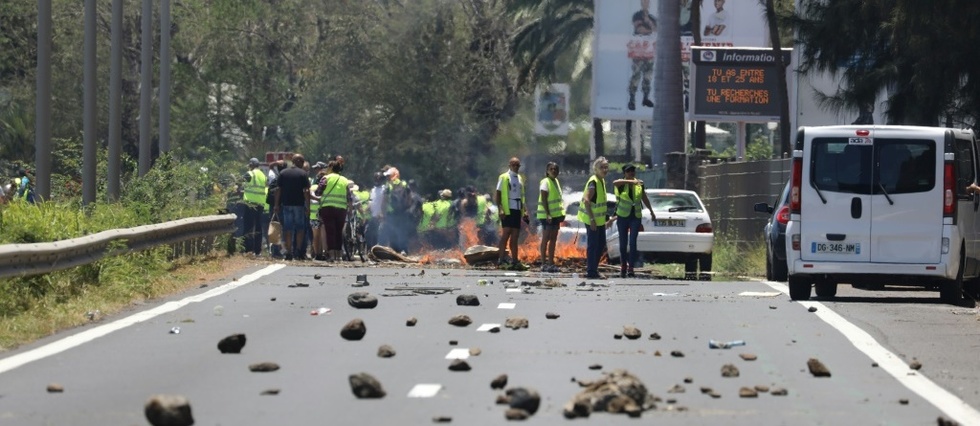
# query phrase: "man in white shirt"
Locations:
[[511, 204]]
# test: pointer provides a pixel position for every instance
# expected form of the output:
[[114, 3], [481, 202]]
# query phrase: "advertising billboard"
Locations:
[[625, 48], [551, 110]]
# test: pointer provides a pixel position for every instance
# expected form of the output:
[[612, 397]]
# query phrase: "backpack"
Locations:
[[400, 198]]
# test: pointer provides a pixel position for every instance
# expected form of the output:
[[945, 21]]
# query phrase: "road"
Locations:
[[865, 339]]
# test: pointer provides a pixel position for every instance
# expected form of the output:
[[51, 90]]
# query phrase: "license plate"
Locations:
[[835, 248], [670, 222]]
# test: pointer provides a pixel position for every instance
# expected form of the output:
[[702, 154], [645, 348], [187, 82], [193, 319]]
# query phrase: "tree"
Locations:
[[668, 106]]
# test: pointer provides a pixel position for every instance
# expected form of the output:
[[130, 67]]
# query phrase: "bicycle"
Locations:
[[353, 239]]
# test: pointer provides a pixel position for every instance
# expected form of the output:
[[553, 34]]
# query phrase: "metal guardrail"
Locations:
[[40, 258]]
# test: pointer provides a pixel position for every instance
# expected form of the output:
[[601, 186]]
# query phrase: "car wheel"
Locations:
[[779, 270], [799, 288], [768, 267], [952, 291], [825, 289]]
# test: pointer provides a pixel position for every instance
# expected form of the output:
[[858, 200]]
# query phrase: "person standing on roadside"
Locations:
[[629, 193], [551, 213], [254, 204], [292, 206], [275, 247], [335, 202], [594, 217], [511, 203]]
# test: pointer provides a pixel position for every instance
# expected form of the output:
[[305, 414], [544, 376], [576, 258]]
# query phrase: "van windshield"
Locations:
[[892, 166]]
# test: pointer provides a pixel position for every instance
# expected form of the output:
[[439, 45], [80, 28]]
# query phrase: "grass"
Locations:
[[731, 260]]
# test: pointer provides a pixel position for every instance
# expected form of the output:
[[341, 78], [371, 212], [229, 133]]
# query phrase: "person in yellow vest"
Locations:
[[593, 216], [318, 237], [551, 213], [335, 202], [510, 200], [426, 227], [629, 194], [254, 200], [443, 221]]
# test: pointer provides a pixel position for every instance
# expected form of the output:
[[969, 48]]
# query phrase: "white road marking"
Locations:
[[458, 353], [506, 306], [424, 390], [513, 290], [942, 399], [86, 336], [487, 327], [760, 293]]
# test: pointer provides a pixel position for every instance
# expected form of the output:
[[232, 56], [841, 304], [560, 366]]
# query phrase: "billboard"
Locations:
[[732, 84], [625, 48], [551, 110]]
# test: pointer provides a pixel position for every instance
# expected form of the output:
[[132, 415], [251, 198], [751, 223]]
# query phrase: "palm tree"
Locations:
[[668, 107]]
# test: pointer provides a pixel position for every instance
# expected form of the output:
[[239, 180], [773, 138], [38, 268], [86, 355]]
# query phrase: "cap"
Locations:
[[319, 165], [445, 193], [629, 167], [391, 171], [253, 162]]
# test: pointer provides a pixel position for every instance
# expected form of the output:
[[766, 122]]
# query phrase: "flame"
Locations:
[[529, 247]]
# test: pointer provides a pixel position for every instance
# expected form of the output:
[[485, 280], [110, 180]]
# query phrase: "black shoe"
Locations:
[[630, 274], [647, 102], [631, 105], [622, 274], [288, 257]]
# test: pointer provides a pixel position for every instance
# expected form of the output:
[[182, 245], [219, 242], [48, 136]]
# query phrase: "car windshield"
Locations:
[[674, 201]]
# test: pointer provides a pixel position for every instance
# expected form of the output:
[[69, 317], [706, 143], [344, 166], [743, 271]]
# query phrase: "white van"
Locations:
[[874, 205]]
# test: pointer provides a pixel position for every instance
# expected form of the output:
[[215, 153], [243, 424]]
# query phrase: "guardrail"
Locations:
[[41, 258]]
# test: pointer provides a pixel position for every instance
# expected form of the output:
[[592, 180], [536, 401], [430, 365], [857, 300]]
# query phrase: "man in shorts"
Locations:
[[292, 206]]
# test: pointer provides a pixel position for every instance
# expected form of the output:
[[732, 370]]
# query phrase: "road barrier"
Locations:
[[41, 258]]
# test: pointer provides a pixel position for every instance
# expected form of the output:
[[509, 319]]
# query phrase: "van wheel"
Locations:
[[799, 288], [826, 289], [952, 291]]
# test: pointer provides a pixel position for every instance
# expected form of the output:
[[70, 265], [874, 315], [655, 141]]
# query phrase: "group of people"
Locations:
[[313, 202], [20, 188]]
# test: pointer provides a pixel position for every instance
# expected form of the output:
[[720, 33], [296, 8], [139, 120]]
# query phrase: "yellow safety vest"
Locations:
[[255, 188], [627, 203], [445, 219], [314, 204], [598, 207], [336, 193], [505, 192], [428, 209], [554, 200]]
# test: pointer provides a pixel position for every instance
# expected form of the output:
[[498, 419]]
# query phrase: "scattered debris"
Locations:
[[516, 414], [654, 336], [747, 392], [175, 330], [779, 392], [168, 410], [516, 323], [915, 364], [729, 370], [675, 354], [817, 369], [812, 309], [494, 330], [459, 365], [55, 388], [595, 367], [298, 285], [631, 332], [714, 344], [499, 382], [361, 281], [677, 389], [92, 315], [232, 344], [353, 330], [442, 419], [942, 421], [263, 367], [748, 356], [551, 315], [362, 300], [317, 276], [475, 351], [386, 351], [467, 300], [617, 392], [903, 401], [617, 336], [525, 399], [320, 311], [688, 380], [411, 322], [461, 320], [365, 386], [273, 391]]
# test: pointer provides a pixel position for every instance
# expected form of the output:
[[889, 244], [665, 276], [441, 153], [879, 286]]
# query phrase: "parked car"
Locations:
[[883, 205], [775, 232], [572, 230], [682, 232]]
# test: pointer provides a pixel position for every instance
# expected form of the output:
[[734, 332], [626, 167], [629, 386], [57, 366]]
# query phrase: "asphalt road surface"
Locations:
[[866, 339]]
